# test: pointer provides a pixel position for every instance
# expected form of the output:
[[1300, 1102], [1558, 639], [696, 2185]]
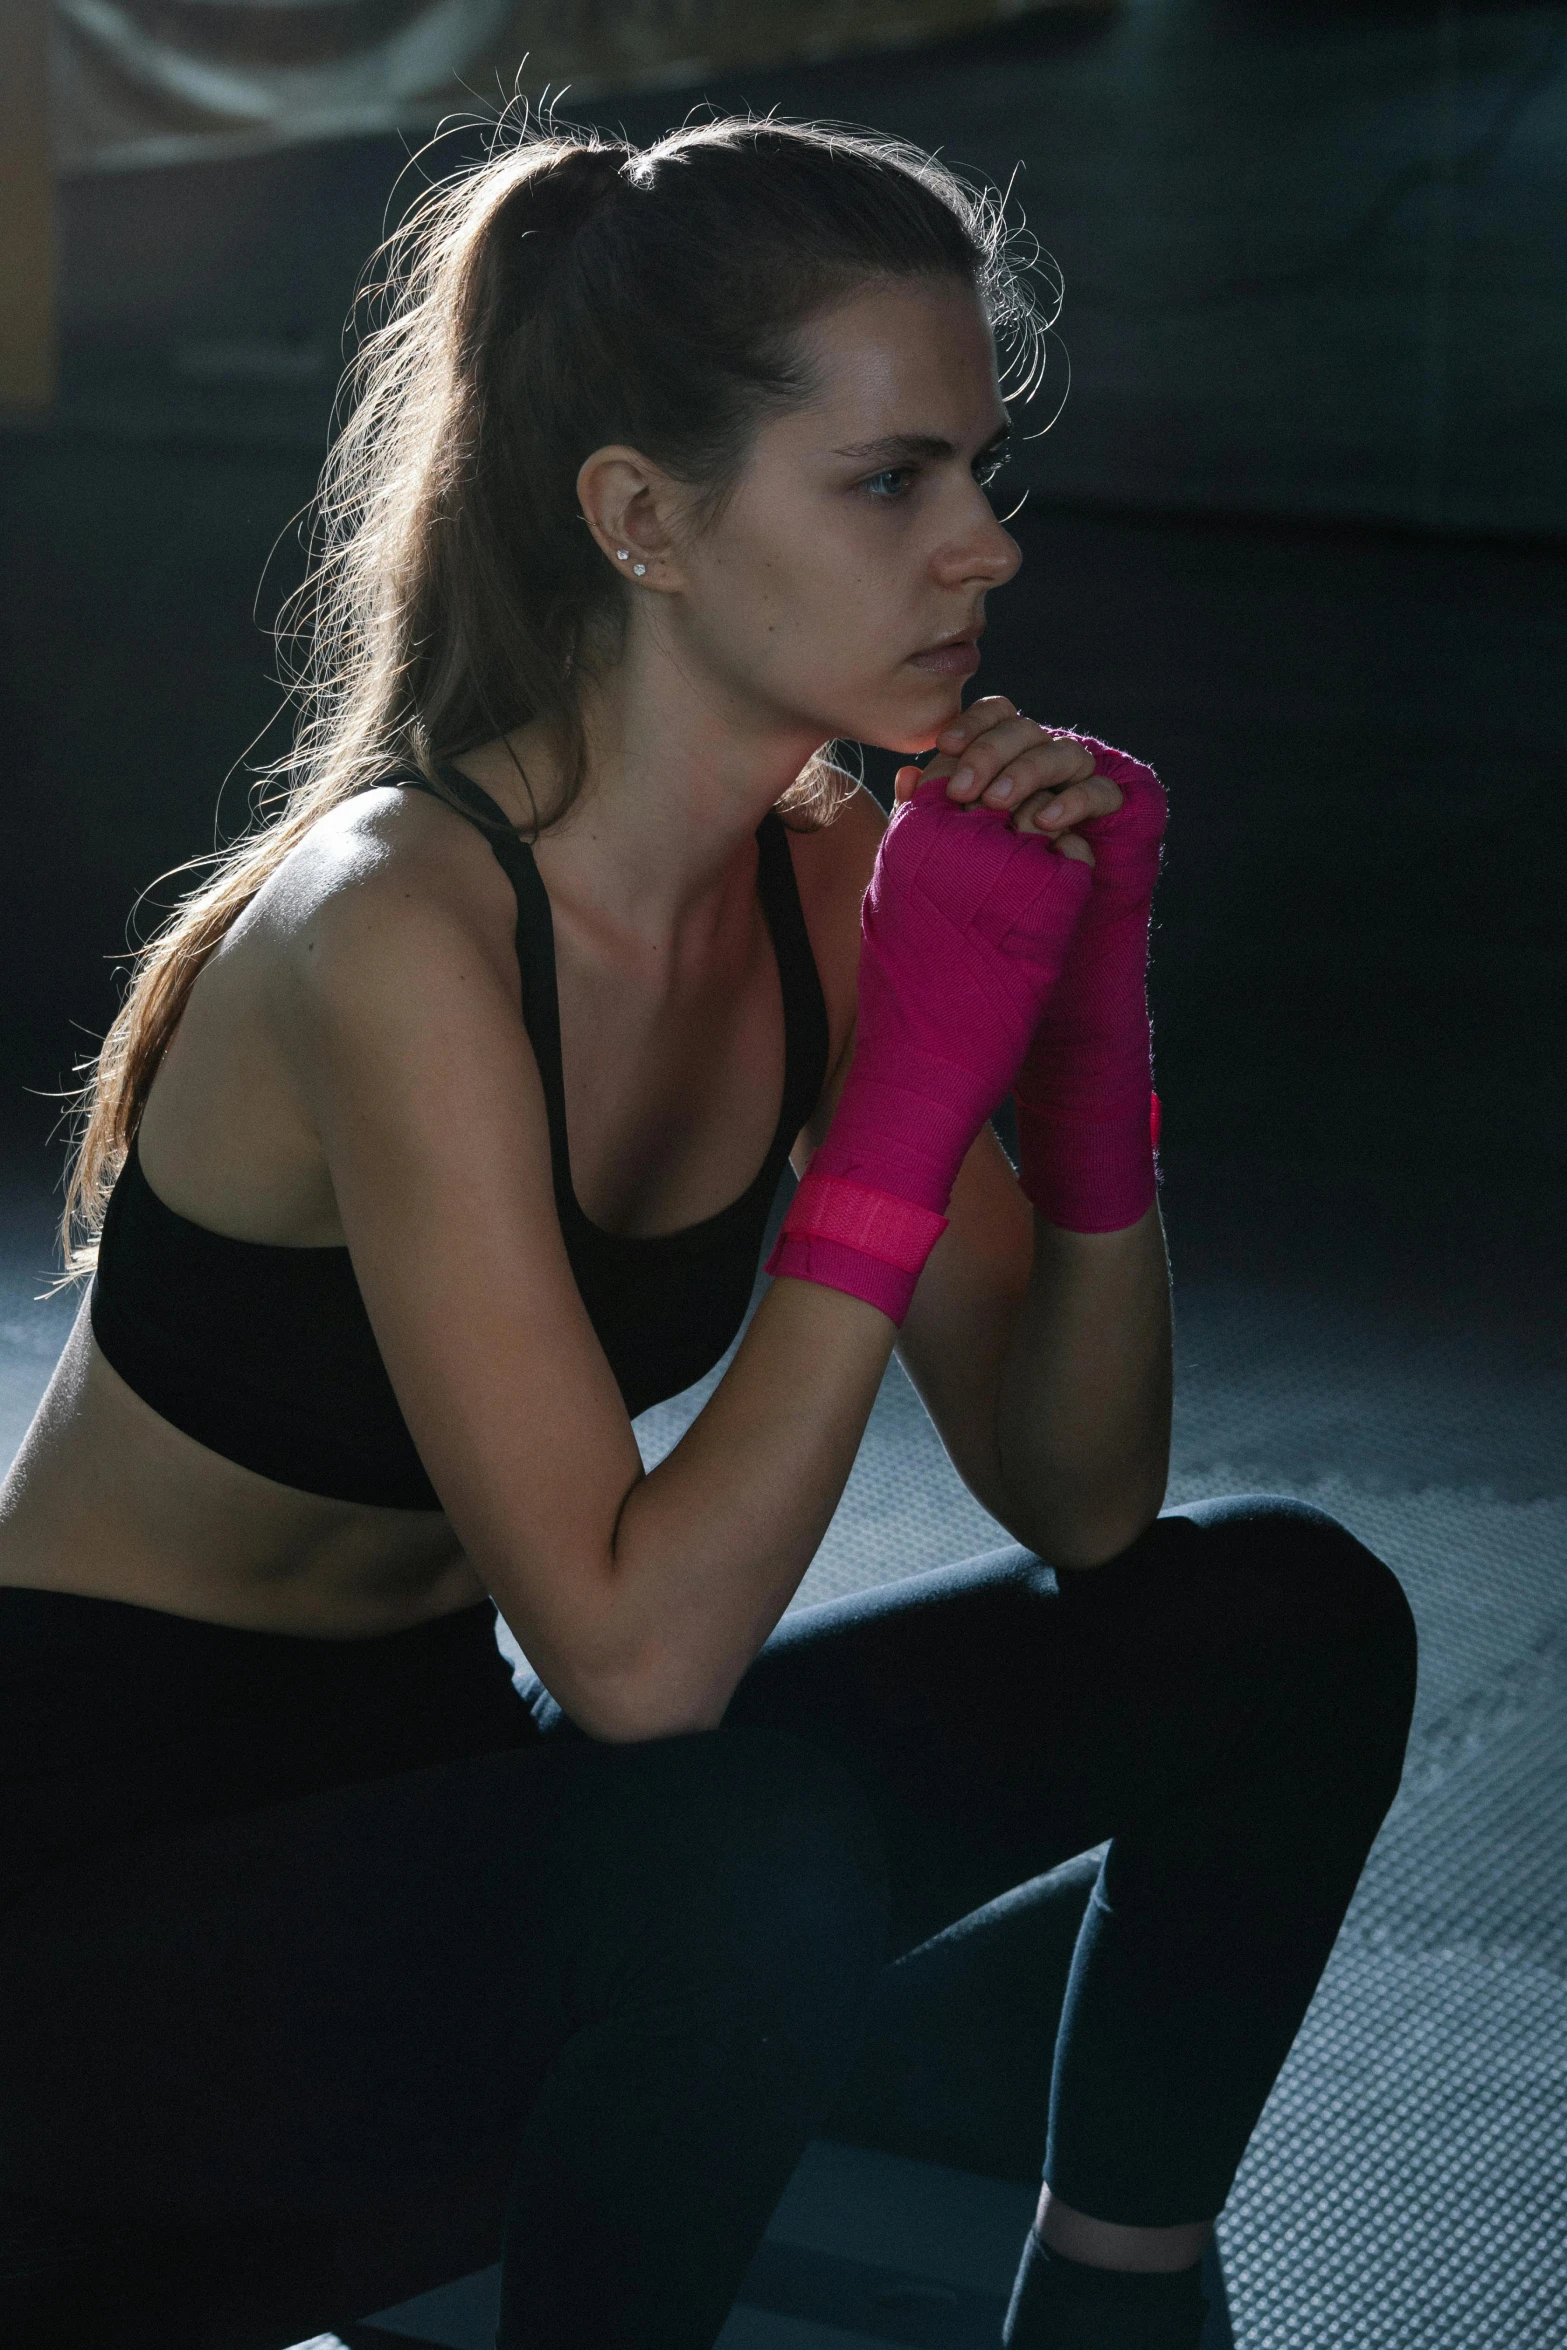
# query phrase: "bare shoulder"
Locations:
[[393, 996], [832, 870], [378, 953], [389, 877], [396, 999]]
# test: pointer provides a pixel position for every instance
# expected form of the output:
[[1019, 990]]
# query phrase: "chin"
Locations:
[[911, 737], [914, 742], [906, 743]]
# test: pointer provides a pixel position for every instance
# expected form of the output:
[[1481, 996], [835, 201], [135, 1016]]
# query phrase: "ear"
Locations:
[[632, 507]]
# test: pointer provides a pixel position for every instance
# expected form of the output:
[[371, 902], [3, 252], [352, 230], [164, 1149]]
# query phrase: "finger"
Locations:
[[1047, 765], [1048, 758], [959, 732], [1057, 811], [908, 778], [1073, 845]]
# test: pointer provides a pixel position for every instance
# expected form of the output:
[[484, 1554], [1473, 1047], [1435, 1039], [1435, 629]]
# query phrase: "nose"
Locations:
[[980, 553]]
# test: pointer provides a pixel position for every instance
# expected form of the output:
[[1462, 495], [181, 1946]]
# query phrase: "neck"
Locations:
[[681, 769]]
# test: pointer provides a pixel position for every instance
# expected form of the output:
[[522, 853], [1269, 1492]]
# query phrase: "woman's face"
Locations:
[[859, 536]]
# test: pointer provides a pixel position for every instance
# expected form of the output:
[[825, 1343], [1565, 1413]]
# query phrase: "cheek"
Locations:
[[814, 606], [792, 600]]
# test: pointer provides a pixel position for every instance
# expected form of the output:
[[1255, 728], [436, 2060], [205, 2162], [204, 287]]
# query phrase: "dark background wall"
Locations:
[[1313, 250], [1299, 535]]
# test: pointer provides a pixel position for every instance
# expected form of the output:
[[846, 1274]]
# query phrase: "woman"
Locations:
[[436, 1139]]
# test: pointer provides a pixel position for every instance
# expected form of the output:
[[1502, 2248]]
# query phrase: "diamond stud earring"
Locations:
[[639, 569], [622, 554]]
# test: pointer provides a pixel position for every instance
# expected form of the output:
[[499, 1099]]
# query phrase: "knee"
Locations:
[[1353, 1611], [1343, 1628]]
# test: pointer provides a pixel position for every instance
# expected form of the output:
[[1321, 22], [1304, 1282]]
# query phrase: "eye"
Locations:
[[897, 476]]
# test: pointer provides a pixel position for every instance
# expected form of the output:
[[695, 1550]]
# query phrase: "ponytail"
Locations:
[[566, 293]]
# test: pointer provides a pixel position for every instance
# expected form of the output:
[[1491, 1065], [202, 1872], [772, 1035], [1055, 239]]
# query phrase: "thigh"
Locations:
[[1002, 1716], [321, 2004], [952, 1696]]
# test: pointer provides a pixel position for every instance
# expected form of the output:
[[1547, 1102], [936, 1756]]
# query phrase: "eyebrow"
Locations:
[[899, 447]]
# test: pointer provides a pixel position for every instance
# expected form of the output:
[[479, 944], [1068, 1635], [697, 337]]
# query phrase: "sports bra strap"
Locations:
[[805, 1010]]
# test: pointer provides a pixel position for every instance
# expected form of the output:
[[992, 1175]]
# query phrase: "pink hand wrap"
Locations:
[[963, 932], [1087, 1115]]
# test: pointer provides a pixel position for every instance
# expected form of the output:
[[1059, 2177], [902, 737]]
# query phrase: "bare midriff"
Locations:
[[107, 1500]]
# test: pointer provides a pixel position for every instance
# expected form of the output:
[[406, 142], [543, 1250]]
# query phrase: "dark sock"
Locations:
[[1061, 2304]]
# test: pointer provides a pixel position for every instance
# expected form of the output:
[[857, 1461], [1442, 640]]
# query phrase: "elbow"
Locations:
[[1084, 1504], [636, 1701], [1087, 1546], [617, 1679], [614, 1720], [1081, 1558], [1078, 1540]]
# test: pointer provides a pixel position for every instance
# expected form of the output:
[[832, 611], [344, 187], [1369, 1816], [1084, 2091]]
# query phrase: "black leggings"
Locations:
[[443, 1973]]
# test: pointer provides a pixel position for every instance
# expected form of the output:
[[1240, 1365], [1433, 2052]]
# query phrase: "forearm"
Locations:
[[1084, 1399], [711, 1544]]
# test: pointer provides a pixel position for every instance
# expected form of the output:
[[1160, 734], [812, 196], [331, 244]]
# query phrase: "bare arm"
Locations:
[[640, 1597], [712, 1544], [1044, 1358], [1084, 1403]]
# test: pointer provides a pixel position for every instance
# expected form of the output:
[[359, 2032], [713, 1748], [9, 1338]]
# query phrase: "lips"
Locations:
[[957, 657]]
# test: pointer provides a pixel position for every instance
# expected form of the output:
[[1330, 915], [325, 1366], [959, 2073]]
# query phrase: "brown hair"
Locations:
[[564, 293]]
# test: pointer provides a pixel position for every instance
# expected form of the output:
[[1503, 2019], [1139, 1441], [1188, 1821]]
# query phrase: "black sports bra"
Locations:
[[265, 1354]]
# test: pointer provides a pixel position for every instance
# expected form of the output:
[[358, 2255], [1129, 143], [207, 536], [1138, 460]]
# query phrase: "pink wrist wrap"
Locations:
[[1087, 1116], [963, 931]]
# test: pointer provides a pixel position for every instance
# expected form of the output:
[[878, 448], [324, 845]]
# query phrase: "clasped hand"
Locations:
[[996, 758]]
